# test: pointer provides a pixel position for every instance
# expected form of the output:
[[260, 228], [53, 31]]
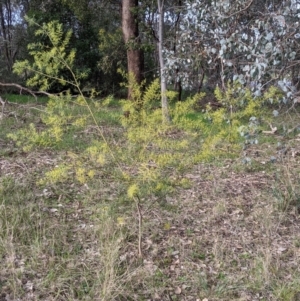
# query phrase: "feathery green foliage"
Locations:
[[57, 120], [51, 58], [237, 122]]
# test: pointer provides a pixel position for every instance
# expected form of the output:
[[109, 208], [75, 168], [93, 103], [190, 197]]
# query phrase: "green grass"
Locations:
[[23, 99]]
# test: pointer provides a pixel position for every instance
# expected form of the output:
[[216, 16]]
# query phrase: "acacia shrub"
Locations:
[[149, 155]]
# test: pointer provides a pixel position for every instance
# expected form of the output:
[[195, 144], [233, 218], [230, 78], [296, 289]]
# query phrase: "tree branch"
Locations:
[[240, 11], [21, 88]]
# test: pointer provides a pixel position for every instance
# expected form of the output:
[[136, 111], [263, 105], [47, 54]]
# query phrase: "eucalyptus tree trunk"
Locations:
[[130, 30], [163, 82]]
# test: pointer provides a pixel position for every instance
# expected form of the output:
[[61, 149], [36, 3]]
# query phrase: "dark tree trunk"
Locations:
[[135, 59], [6, 24]]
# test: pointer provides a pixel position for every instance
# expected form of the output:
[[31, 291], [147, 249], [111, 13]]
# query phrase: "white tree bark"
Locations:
[[163, 83]]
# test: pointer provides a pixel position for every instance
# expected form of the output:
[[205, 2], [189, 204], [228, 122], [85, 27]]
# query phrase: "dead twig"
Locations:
[[140, 217], [3, 102], [273, 130]]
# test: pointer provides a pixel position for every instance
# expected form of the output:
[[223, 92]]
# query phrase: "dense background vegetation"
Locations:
[[206, 43]]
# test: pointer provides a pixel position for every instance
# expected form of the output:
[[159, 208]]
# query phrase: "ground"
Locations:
[[231, 233]]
